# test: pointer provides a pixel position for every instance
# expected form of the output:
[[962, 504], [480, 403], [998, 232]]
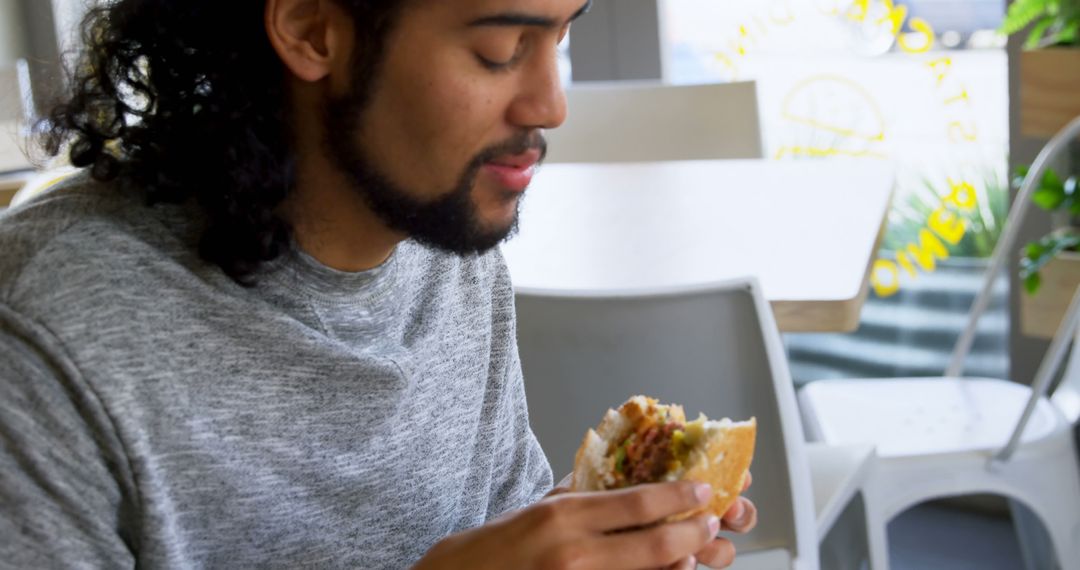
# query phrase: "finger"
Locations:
[[640, 505], [688, 563], [747, 481], [720, 553], [741, 517], [557, 491], [658, 546], [562, 487]]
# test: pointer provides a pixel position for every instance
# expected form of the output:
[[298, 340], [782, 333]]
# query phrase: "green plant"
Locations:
[[1054, 195], [1056, 22], [983, 222]]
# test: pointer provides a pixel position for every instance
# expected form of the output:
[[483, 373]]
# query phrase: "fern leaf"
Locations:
[[1023, 12], [1034, 39]]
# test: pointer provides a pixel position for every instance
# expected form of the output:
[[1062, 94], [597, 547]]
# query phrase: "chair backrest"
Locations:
[[1007, 241], [715, 349], [1067, 395], [634, 122]]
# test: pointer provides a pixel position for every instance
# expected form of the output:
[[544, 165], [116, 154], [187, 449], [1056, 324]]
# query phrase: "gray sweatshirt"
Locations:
[[155, 413]]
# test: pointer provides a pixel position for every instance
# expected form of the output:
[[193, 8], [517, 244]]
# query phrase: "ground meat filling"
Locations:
[[648, 458]]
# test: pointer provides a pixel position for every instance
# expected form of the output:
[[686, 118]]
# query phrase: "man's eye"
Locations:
[[495, 65], [503, 64]]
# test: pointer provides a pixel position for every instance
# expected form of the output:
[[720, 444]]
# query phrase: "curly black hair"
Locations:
[[186, 100]]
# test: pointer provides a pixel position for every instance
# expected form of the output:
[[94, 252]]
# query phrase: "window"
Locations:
[[836, 80]]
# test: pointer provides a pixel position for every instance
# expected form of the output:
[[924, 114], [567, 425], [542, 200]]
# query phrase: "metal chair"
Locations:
[[951, 435]]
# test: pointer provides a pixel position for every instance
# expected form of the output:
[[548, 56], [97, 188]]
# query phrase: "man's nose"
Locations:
[[541, 102]]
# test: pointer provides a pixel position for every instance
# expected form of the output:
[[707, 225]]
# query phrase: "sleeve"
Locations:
[[62, 501], [522, 475], [525, 473]]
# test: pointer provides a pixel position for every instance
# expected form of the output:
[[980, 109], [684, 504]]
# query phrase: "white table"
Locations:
[[808, 230]]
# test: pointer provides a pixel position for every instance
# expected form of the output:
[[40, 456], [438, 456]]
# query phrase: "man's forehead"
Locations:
[[557, 12]]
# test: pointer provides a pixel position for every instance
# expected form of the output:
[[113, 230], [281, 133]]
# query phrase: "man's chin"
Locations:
[[493, 236], [477, 241]]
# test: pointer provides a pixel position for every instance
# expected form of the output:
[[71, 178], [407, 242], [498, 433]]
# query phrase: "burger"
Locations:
[[647, 442]]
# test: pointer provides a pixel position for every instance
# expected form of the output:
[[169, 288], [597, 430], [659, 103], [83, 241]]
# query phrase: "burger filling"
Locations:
[[657, 450]]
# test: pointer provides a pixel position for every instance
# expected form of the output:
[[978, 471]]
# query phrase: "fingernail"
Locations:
[[714, 525], [736, 511], [692, 562], [703, 492]]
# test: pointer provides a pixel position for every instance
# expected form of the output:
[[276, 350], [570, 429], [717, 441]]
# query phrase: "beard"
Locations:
[[449, 222]]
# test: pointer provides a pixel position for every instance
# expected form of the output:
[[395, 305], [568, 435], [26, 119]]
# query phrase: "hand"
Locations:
[[562, 487], [720, 553], [586, 530]]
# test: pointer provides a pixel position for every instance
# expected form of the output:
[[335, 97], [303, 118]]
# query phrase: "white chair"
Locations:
[[950, 436], [713, 348], [635, 122]]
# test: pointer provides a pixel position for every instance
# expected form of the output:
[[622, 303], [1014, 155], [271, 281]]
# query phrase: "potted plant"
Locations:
[[1050, 266], [1049, 64]]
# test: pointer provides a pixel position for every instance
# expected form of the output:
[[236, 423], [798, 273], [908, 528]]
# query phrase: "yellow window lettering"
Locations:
[[782, 17], [858, 10], [947, 225], [830, 7], [962, 195], [941, 67], [957, 132], [963, 96], [920, 28], [728, 62], [894, 14], [740, 44], [885, 278], [928, 250], [904, 262]]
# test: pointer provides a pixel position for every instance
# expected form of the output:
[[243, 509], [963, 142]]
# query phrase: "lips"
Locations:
[[513, 172], [524, 160]]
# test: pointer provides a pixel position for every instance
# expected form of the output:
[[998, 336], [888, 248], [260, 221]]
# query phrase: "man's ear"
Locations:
[[312, 37]]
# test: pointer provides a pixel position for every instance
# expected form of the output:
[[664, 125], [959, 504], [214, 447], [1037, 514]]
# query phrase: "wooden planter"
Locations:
[[1049, 90], [1041, 313]]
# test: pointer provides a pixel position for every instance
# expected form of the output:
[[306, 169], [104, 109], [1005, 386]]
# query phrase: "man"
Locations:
[[267, 327]]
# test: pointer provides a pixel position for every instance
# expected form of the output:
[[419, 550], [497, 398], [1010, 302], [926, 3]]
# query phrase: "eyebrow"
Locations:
[[514, 19]]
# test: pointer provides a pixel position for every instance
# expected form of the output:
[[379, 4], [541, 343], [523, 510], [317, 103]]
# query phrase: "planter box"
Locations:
[[1049, 88], [1041, 313]]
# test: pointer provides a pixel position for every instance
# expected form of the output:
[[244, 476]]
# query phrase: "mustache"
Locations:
[[518, 144]]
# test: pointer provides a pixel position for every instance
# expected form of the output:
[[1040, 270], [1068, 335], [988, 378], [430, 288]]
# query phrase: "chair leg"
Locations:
[[1066, 542], [1047, 521], [878, 538], [877, 532], [1036, 545], [846, 546], [1048, 528]]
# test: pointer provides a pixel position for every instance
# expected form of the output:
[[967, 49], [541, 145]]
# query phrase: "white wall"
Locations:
[[66, 17], [12, 34]]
